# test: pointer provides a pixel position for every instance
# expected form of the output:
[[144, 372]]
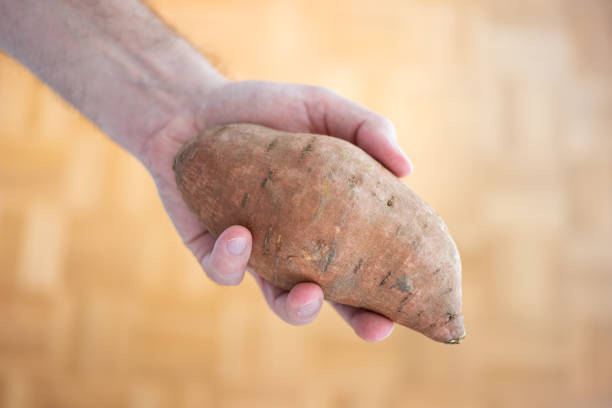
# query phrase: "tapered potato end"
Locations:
[[452, 333], [439, 301]]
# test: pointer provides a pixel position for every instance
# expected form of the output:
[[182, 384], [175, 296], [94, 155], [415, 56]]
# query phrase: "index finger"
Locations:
[[337, 116]]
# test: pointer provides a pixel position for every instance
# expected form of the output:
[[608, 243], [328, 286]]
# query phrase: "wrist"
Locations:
[[169, 85], [181, 117]]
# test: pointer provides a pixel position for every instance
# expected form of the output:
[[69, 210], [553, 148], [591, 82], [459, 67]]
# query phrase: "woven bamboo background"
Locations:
[[506, 110]]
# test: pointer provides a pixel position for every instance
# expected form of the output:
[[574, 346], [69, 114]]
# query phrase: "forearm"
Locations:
[[114, 60]]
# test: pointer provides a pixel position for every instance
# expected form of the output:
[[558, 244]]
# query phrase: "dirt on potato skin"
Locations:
[[322, 210]]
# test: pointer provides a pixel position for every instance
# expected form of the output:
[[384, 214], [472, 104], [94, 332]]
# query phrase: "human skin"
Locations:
[[149, 90]]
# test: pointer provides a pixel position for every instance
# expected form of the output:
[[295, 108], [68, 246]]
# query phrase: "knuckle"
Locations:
[[220, 271]]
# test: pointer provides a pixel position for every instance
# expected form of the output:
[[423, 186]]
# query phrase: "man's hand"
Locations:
[[286, 107], [150, 90]]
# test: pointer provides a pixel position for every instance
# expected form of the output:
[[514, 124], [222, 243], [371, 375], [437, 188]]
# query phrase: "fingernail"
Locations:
[[410, 165], [236, 246], [405, 157], [393, 139], [388, 334], [309, 308]]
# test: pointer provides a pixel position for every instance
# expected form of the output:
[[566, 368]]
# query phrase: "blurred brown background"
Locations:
[[506, 110]]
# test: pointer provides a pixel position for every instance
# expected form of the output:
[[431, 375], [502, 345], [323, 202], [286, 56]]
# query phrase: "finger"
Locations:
[[334, 115], [221, 260], [299, 306], [370, 326], [225, 259]]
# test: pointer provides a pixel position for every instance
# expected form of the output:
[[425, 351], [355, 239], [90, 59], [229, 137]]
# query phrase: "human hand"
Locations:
[[150, 90], [288, 107]]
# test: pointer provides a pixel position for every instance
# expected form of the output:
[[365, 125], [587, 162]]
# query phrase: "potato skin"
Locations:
[[322, 210]]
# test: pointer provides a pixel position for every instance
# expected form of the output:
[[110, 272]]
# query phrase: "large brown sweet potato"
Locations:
[[322, 210]]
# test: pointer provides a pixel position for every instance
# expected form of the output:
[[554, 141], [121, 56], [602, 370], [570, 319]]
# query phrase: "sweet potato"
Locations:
[[322, 210]]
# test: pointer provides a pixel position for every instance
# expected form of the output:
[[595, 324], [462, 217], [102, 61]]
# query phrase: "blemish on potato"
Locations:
[[403, 283], [322, 200], [403, 302], [272, 145], [358, 266], [329, 258], [266, 243], [276, 259], [354, 181], [245, 199], [416, 243], [306, 255], [384, 280], [268, 177], [307, 149]]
